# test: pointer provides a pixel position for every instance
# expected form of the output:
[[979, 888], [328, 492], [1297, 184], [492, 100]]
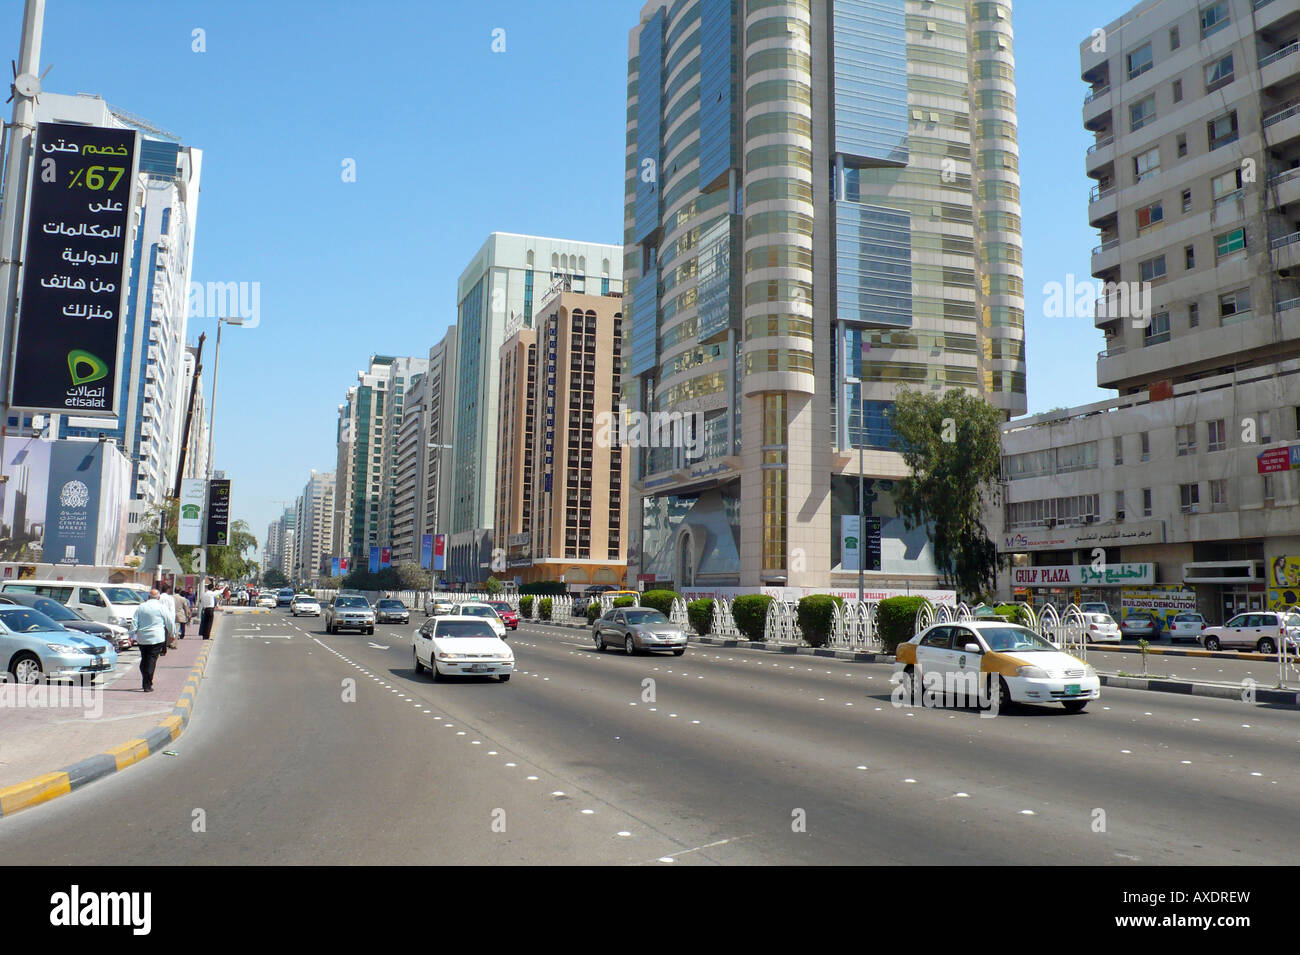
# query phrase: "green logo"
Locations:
[[85, 367], [190, 512]]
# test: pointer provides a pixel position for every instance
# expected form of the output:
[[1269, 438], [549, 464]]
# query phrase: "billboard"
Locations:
[[194, 495], [385, 557], [374, 560], [440, 552], [22, 517], [218, 513], [68, 344], [426, 551], [850, 540], [1283, 582]]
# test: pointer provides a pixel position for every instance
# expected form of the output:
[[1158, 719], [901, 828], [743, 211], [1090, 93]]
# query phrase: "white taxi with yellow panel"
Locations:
[[1027, 668]]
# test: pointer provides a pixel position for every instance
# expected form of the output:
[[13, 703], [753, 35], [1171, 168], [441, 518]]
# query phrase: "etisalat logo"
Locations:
[[85, 368], [77, 908]]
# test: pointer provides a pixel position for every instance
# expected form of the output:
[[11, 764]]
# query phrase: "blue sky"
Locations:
[[451, 141]]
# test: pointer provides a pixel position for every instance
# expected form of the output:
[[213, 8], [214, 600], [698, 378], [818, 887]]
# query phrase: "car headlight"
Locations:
[[1033, 673], [64, 648], [121, 621]]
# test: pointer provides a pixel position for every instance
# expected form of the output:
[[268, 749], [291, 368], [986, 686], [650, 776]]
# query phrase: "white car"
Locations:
[[266, 600], [1186, 626], [304, 605], [460, 645], [1102, 628], [972, 654], [474, 609]]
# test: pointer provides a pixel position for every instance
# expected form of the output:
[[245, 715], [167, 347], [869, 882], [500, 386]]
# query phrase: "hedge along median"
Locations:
[[750, 613], [896, 620], [700, 614], [816, 616]]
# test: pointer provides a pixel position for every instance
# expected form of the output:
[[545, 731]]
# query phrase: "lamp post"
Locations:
[[212, 420]]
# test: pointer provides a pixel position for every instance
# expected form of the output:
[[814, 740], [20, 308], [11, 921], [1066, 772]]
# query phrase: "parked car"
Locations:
[[1095, 606], [1140, 625], [304, 605], [1102, 628], [349, 613], [484, 611], [441, 607], [34, 648], [509, 616], [458, 645], [119, 637], [1261, 630], [1028, 668], [391, 611], [638, 630], [1186, 626], [106, 603]]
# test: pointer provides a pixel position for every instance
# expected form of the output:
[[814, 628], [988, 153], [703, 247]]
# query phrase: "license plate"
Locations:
[[1072, 689], [480, 668]]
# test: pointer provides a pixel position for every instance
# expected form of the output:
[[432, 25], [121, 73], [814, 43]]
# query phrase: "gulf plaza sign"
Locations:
[[1085, 575]]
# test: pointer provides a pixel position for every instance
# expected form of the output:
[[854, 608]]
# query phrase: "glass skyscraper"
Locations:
[[822, 205]]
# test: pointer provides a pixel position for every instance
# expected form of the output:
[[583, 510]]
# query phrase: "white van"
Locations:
[[106, 603]]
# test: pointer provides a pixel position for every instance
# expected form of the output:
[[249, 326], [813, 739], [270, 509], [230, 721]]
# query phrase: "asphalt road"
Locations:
[[728, 757]]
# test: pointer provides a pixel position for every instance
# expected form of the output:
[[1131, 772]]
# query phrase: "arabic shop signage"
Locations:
[[1086, 575], [1084, 535], [75, 270], [1278, 459], [218, 514]]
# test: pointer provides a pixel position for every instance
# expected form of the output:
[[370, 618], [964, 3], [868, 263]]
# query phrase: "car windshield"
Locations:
[[479, 611], [500, 607], [350, 602], [55, 610], [26, 620], [124, 595], [1188, 618], [392, 605], [1014, 638], [463, 628], [1104, 619], [645, 616]]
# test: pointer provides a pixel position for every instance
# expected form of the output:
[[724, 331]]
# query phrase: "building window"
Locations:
[[1181, 141], [1193, 315], [1189, 257], [1118, 446], [1119, 505], [1144, 441], [1186, 439], [1214, 18], [1234, 306], [1219, 494], [1226, 186], [1141, 113], [1222, 131], [1265, 428], [1150, 217], [1229, 244], [1217, 435], [1140, 60], [1146, 164], [1152, 269], [1189, 498], [1178, 93], [1269, 490], [1146, 502], [1173, 38], [1187, 200], [1218, 74], [1157, 330]]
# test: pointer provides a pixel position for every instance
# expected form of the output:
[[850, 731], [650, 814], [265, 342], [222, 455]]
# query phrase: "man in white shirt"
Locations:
[[208, 609]]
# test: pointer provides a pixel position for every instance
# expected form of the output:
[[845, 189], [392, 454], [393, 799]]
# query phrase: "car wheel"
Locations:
[[1266, 645], [600, 643], [1074, 706], [504, 677], [26, 668], [678, 653], [436, 673], [1005, 702], [629, 646], [370, 631], [1211, 643], [419, 667]]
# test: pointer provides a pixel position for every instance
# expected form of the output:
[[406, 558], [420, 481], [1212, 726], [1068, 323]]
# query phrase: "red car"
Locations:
[[509, 617]]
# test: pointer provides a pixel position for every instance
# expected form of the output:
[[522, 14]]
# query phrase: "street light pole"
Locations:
[[212, 421]]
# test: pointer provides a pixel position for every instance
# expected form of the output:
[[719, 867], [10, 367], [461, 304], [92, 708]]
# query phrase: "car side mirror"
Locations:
[[973, 648]]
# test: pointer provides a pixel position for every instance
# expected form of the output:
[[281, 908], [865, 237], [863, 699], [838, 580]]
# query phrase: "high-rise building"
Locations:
[[315, 539], [494, 295], [401, 373], [560, 506], [1184, 485], [822, 205], [153, 385], [410, 458], [440, 403]]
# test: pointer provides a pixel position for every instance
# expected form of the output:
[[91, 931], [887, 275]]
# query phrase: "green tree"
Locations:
[[275, 578], [231, 561], [411, 576], [952, 446], [148, 538], [493, 587]]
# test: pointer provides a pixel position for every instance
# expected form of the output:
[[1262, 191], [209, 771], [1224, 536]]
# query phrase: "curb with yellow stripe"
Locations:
[[49, 786]]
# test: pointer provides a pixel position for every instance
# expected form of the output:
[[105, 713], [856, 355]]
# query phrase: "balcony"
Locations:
[[1105, 256], [1286, 251], [1103, 204], [1285, 188], [1270, 15], [1282, 125], [1100, 154], [1277, 66], [1096, 109]]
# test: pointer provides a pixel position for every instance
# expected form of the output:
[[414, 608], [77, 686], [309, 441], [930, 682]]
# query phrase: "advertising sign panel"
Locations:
[[189, 528], [72, 503], [218, 513], [75, 270], [440, 552], [385, 557], [426, 551], [374, 559], [850, 540], [1084, 575]]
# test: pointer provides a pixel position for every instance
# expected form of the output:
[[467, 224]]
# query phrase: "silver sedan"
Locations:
[[638, 630]]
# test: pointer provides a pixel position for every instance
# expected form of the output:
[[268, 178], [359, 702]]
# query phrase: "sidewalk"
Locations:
[[58, 737]]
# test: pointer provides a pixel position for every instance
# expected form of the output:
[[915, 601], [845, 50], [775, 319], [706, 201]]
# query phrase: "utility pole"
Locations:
[[19, 135], [195, 384]]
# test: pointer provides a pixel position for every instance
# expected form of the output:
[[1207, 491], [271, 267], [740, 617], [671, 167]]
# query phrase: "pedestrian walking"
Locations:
[[164, 590], [182, 613], [152, 631], [207, 610]]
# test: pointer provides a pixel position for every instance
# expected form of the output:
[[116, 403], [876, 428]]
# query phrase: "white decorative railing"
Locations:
[[781, 625], [724, 624], [678, 614]]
